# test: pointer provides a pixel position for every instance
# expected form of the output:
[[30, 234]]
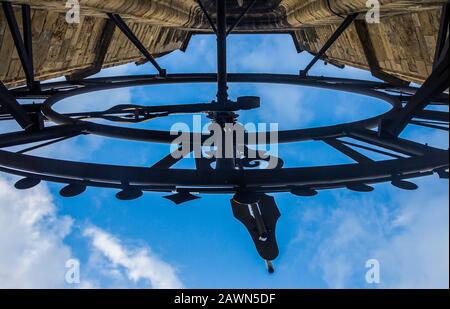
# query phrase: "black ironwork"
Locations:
[[336, 35], [434, 86], [14, 108], [241, 17], [375, 150], [369, 89], [222, 74], [58, 140], [120, 23], [208, 17], [238, 176], [50, 133], [431, 124], [259, 214], [24, 46], [71, 126], [348, 151]]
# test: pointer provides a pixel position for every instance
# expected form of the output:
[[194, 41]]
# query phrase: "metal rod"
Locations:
[[434, 86], [222, 75], [48, 143], [345, 24], [222, 79], [28, 42], [22, 48], [373, 150], [349, 152], [430, 125], [8, 101], [27, 34], [394, 144], [162, 109], [433, 115], [241, 17], [260, 225], [132, 37], [205, 12], [50, 133]]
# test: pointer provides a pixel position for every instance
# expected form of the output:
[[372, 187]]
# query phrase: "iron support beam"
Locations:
[[27, 34], [434, 86], [222, 74], [120, 23], [28, 108], [348, 151], [8, 101], [223, 163], [23, 46], [50, 133], [336, 35], [241, 17], [433, 115], [394, 144], [55, 141], [208, 17], [375, 150], [327, 60], [432, 125]]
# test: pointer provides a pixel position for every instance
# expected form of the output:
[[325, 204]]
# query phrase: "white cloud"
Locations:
[[94, 101], [408, 232], [419, 256], [286, 105], [139, 264], [199, 57], [268, 54], [277, 54], [33, 254]]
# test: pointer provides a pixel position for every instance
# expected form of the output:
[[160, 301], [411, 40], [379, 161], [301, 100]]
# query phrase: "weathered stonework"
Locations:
[[403, 43]]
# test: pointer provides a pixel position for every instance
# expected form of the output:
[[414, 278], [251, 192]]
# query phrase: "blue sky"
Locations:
[[324, 241]]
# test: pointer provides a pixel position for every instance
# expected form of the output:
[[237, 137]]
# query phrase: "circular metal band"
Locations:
[[290, 136], [312, 177], [424, 162]]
